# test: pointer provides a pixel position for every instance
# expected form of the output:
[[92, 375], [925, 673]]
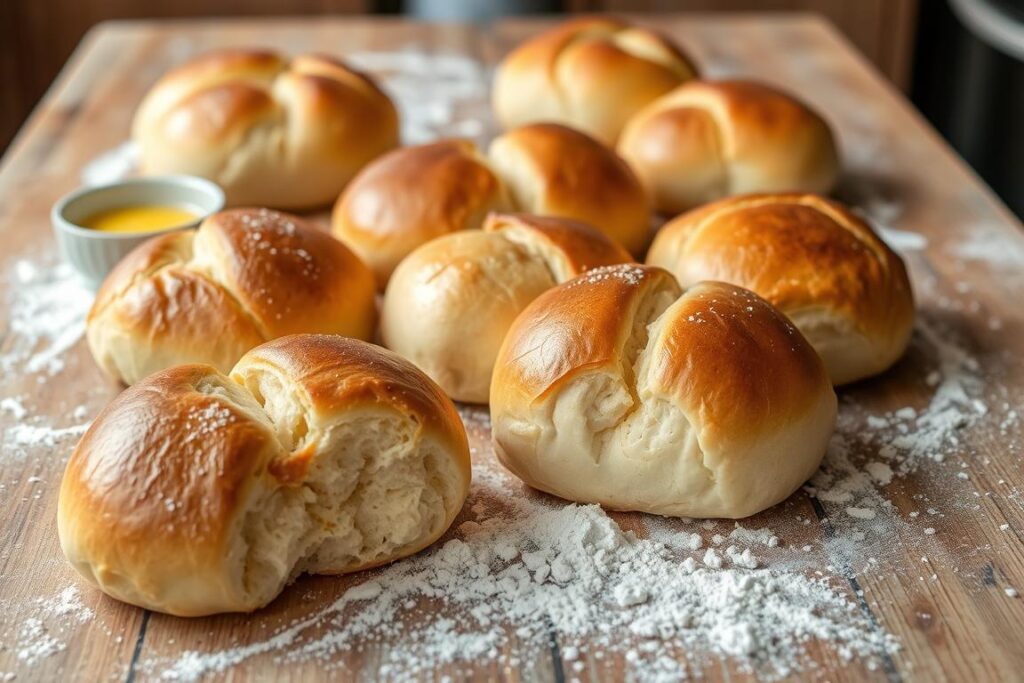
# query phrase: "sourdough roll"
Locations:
[[706, 140], [592, 74], [815, 260], [412, 195], [195, 493], [449, 304], [553, 170], [209, 295], [620, 388], [269, 130]]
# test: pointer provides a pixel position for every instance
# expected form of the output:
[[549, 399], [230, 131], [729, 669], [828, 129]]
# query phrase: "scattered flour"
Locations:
[[47, 305], [24, 435], [43, 635], [989, 245], [438, 94], [47, 308], [35, 642], [112, 165], [901, 441], [13, 406], [565, 572]]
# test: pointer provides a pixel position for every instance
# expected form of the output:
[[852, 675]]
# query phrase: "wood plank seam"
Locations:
[[137, 652], [888, 663]]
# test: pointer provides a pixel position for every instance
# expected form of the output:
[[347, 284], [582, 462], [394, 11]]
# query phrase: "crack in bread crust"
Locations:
[[637, 396]]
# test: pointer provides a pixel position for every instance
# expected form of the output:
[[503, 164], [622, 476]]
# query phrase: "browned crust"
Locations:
[[798, 251]]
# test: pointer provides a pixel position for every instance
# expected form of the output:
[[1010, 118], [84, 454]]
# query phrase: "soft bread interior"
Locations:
[[356, 489], [615, 416]]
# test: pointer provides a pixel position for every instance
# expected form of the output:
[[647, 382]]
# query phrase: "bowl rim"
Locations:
[[190, 182]]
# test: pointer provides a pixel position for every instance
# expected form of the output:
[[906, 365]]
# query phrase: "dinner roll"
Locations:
[[194, 493], [412, 195], [812, 258], [707, 140], [209, 295], [270, 131], [592, 74], [449, 303], [621, 389], [553, 170]]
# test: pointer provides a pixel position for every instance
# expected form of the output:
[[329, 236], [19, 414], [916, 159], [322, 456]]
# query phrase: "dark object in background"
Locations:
[[969, 82], [476, 10]]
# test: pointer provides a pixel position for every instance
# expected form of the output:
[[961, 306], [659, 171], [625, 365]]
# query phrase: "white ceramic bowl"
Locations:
[[93, 252]]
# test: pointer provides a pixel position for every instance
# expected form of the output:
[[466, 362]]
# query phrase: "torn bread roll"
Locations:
[[815, 260], [245, 276], [270, 131], [193, 493], [414, 194], [449, 304], [591, 74], [620, 388], [711, 139]]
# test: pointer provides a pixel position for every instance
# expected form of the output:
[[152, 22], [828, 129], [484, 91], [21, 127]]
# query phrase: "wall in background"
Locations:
[[884, 30], [37, 36]]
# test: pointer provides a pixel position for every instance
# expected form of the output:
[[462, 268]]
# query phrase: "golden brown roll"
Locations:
[[412, 195], [449, 304], [270, 131], [592, 74], [553, 170], [209, 295], [193, 493], [621, 389], [820, 264], [707, 140]]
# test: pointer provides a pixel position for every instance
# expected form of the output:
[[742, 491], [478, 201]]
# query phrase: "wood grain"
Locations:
[[959, 625]]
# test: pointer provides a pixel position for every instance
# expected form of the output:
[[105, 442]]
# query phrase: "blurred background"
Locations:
[[960, 61]]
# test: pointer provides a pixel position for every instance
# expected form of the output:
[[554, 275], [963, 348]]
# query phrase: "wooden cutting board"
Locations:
[[944, 586]]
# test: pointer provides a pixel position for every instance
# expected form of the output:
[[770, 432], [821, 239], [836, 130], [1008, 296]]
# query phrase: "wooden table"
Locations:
[[950, 613]]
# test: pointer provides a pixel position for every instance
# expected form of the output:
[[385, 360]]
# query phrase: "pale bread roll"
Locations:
[[450, 302], [815, 260], [619, 388], [711, 139], [209, 295], [193, 493], [270, 131], [591, 74]]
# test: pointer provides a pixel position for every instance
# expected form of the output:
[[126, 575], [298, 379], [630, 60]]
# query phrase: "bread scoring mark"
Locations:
[[616, 35]]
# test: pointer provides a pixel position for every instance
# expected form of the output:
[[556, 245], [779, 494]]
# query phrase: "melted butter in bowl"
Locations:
[[97, 226], [144, 218]]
